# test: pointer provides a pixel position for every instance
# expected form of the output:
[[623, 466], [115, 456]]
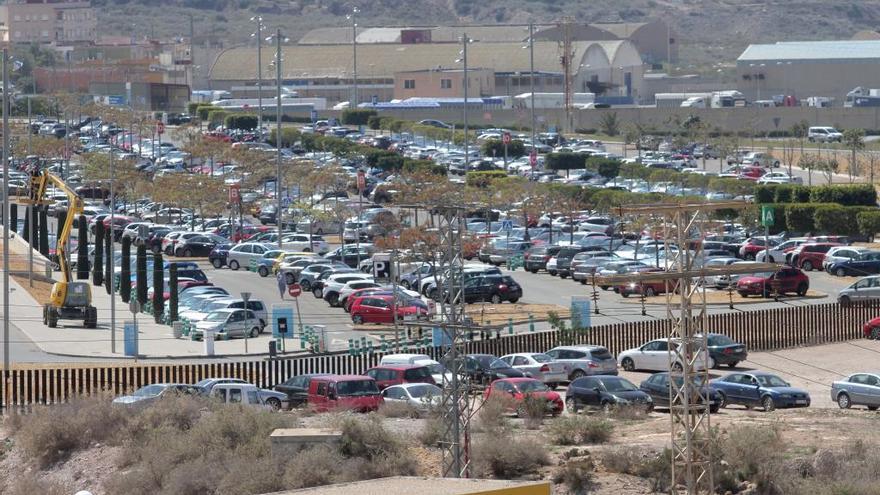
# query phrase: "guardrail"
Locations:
[[761, 330]]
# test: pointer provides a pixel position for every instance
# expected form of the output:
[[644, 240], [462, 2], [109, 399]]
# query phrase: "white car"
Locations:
[[863, 289], [839, 254], [256, 306], [300, 242], [551, 266], [777, 253], [420, 396], [779, 178], [824, 134], [350, 288], [241, 255], [760, 159], [540, 366], [655, 356]]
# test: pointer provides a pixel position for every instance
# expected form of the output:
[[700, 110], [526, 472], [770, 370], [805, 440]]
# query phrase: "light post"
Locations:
[[246, 296], [531, 47], [278, 137], [112, 252], [259, 36], [6, 219], [463, 60], [354, 50]]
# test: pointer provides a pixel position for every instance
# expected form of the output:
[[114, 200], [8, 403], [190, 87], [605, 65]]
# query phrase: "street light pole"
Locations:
[[464, 42], [278, 214], [112, 254], [6, 220], [532, 79], [354, 49], [259, 36]]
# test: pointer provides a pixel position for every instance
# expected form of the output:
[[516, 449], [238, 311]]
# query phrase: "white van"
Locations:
[[824, 135], [437, 370]]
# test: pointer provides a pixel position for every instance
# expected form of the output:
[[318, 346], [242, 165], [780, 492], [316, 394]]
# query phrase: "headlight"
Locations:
[[649, 399], [786, 396], [620, 400]]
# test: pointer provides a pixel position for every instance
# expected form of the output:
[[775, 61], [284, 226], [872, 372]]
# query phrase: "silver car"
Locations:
[[229, 323], [858, 389], [541, 367], [422, 397], [583, 360]]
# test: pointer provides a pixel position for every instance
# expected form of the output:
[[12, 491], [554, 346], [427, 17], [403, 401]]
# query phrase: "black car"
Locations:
[[195, 246], [486, 368], [537, 257], [297, 388], [154, 242], [493, 288], [267, 214], [217, 256], [351, 254], [723, 350], [605, 392], [657, 386], [563, 259]]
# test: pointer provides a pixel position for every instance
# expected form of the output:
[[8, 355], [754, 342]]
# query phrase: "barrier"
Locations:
[[761, 330]]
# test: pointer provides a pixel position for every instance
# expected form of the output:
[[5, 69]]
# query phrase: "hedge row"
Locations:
[[827, 218], [845, 195]]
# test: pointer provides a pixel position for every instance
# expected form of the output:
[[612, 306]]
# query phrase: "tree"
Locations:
[[809, 163], [357, 116], [158, 287], [829, 166], [108, 262], [244, 122], [98, 265], [141, 274], [854, 139], [495, 147], [608, 168], [82, 250], [609, 124], [800, 130], [871, 159], [869, 223], [125, 270], [632, 134], [564, 161]]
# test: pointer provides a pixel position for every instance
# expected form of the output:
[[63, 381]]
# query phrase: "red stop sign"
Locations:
[[160, 128], [505, 138], [294, 290]]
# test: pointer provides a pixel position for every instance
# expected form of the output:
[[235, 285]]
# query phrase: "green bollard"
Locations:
[[384, 344], [510, 326], [531, 323], [370, 347]]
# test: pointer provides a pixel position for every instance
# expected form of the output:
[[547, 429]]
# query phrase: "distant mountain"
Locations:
[[709, 31]]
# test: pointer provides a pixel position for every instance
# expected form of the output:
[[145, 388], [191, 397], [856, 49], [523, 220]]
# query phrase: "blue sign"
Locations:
[[282, 320], [440, 337], [116, 100], [506, 224], [580, 312], [314, 116], [130, 336], [286, 201]]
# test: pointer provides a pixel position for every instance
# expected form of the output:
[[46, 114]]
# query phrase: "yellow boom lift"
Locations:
[[70, 299]]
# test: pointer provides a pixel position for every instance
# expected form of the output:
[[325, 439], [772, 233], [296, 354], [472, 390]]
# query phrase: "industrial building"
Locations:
[[808, 68]]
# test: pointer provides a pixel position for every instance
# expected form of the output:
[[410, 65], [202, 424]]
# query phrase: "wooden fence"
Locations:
[[761, 330]]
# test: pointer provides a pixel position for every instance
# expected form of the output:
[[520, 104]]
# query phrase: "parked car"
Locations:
[[486, 368], [240, 255], [297, 389], [583, 360], [536, 258], [724, 350], [604, 392], [824, 134], [762, 284], [411, 279], [658, 386], [200, 245], [396, 374], [648, 288], [246, 393], [655, 356], [422, 397], [490, 287], [151, 393], [380, 309], [564, 257], [811, 255], [858, 389], [754, 245], [347, 392], [228, 323], [516, 390], [864, 289], [860, 264], [759, 389], [871, 328], [760, 159], [540, 366], [438, 372]]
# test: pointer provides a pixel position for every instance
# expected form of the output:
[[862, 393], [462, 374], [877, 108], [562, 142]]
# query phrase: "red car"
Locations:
[[649, 288], [378, 309], [520, 388], [397, 374], [761, 284], [752, 172], [811, 255], [753, 246], [348, 392], [872, 328]]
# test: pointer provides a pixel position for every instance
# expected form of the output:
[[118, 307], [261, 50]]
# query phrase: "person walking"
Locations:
[[282, 285]]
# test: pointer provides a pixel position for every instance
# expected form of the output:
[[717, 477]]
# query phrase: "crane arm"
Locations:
[[38, 185]]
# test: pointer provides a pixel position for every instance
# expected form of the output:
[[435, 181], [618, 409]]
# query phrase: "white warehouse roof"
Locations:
[[848, 50]]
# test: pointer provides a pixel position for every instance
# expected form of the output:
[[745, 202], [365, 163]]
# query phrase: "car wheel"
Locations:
[[357, 319], [843, 401], [875, 333], [563, 276], [712, 364], [628, 364], [521, 411], [872, 408], [274, 403], [406, 285], [584, 282], [845, 301], [807, 266], [217, 262], [333, 299], [603, 287], [288, 279], [263, 271], [768, 404], [649, 292], [625, 294], [306, 285], [606, 406], [802, 289], [714, 409], [750, 256], [676, 366], [840, 272], [318, 293], [320, 232], [576, 374], [733, 364], [187, 253], [722, 400], [571, 405], [552, 273], [233, 265], [255, 332], [496, 299], [514, 300]]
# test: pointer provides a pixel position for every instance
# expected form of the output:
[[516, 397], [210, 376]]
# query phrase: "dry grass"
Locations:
[[432, 431], [532, 410], [28, 484], [507, 456], [653, 467], [493, 414], [579, 430], [576, 474]]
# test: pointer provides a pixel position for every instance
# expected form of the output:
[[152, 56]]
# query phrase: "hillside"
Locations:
[[708, 30]]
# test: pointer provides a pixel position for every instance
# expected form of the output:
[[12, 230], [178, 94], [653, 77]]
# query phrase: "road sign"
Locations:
[[66, 153], [313, 115], [134, 306], [767, 216], [294, 290], [533, 158], [160, 128], [234, 193], [506, 224], [505, 138], [362, 181]]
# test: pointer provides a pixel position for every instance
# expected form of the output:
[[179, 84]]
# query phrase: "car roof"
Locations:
[[397, 367], [340, 378], [578, 347], [516, 380]]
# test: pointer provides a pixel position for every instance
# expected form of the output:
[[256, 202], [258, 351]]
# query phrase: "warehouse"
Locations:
[[808, 68]]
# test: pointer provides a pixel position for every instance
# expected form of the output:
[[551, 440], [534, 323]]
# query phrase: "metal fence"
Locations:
[[761, 330]]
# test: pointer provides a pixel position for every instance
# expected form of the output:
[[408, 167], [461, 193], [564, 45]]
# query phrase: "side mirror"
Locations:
[[596, 389], [331, 395]]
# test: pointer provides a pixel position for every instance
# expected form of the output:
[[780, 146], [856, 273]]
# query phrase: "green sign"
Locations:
[[767, 216]]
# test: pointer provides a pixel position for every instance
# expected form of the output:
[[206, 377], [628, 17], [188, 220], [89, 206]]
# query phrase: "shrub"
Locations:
[[204, 109], [578, 429], [765, 193], [373, 155], [374, 122], [799, 217], [289, 136], [784, 193], [655, 468], [628, 413], [216, 117], [751, 450], [428, 166], [357, 116], [506, 456], [606, 167], [846, 195], [576, 475], [29, 484], [390, 163], [801, 194], [533, 409], [621, 460], [564, 161], [484, 178], [869, 223], [492, 414], [495, 147], [313, 467], [397, 410], [243, 122], [432, 431]]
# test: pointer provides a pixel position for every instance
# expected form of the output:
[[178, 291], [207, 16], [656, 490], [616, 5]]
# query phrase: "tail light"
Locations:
[[729, 350], [502, 287], [547, 258], [545, 368], [592, 365]]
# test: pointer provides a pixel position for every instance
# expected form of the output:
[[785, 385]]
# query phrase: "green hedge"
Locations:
[[482, 179], [609, 167], [357, 116], [564, 161], [844, 194], [799, 217], [216, 116], [289, 136], [869, 223], [374, 155], [495, 147], [242, 121], [410, 165], [203, 109], [390, 163]]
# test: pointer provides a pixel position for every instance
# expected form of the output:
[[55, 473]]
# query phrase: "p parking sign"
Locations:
[[767, 216]]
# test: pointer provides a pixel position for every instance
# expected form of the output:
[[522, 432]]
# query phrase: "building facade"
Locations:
[[444, 83], [60, 22]]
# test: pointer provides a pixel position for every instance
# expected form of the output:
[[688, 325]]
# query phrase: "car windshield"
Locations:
[[217, 316], [419, 391], [618, 385], [529, 386], [542, 358], [357, 387], [498, 364], [148, 391], [771, 381], [436, 368], [719, 340], [696, 380]]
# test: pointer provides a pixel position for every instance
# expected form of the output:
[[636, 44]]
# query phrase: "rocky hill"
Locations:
[[709, 30]]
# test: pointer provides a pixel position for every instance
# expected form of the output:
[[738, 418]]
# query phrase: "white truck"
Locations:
[[552, 100]]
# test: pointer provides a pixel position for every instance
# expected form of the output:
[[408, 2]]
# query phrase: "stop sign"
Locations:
[[294, 290], [160, 128], [533, 158], [361, 181], [505, 138]]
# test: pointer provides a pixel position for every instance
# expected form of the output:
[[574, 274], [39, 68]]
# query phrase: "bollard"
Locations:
[[370, 347], [351, 348], [510, 326], [531, 323], [384, 344]]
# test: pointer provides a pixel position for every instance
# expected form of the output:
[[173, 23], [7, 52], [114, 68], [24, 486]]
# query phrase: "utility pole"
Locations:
[[463, 60], [278, 214], [354, 51], [566, 57], [532, 79], [259, 36], [6, 220]]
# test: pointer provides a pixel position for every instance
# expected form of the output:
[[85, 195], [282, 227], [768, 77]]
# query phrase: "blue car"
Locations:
[[217, 256], [759, 389]]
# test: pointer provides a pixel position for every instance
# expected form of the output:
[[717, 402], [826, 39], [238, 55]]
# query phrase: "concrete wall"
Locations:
[[729, 119]]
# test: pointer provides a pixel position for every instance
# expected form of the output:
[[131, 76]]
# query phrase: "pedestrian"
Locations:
[[282, 285]]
